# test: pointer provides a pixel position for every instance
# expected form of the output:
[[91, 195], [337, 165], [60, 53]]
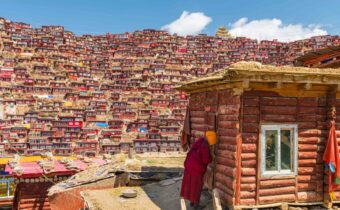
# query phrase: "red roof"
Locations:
[[33, 169]]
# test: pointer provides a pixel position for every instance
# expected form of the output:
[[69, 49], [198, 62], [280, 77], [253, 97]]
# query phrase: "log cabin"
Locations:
[[272, 127]]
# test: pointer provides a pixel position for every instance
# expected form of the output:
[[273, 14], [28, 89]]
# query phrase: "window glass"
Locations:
[[271, 148], [3, 189], [7, 188], [278, 146], [12, 186], [286, 138]]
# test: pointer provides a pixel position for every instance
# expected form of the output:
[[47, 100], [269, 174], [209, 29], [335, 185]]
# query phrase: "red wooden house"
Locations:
[[272, 126]]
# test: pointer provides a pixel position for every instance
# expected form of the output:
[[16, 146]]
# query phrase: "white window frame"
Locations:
[[279, 172]]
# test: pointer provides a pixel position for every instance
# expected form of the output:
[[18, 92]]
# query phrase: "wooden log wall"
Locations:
[[249, 158], [310, 115], [312, 127], [210, 108], [197, 114], [223, 107], [228, 131]]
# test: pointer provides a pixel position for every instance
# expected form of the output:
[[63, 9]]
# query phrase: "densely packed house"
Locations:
[[92, 95]]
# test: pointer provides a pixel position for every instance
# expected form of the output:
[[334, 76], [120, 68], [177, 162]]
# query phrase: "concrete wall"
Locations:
[[71, 199]]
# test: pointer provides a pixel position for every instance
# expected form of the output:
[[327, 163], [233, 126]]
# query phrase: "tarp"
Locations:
[[68, 103], [101, 124], [73, 77], [143, 130]]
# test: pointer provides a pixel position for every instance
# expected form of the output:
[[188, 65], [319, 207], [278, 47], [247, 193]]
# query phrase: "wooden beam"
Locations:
[[324, 79], [306, 86], [314, 79], [238, 155], [183, 206], [279, 85], [245, 83], [216, 200], [276, 85]]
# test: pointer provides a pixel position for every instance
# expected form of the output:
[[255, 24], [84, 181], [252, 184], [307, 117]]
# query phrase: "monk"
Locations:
[[195, 165]]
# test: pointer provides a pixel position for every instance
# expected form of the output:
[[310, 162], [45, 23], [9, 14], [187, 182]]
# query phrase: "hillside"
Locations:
[[104, 94]]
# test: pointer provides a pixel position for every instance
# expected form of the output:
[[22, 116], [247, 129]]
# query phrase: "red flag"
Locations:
[[331, 157]]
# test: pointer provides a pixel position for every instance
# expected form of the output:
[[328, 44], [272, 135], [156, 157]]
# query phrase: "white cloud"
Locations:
[[188, 24], [269, 29]]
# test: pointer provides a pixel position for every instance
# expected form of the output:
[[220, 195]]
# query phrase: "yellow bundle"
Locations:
[[211, 137]]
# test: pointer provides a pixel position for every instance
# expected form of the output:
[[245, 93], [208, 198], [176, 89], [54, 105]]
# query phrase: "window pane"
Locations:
[[271, 150], [12, 186], [286, 138], [3, 189]]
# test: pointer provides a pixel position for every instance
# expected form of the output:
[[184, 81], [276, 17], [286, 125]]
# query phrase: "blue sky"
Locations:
[[115, 16]]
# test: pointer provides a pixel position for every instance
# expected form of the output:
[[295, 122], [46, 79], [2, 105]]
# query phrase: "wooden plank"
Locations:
[[278, 101], [248, 171], [227, 190], [229, 124], [307, 147], [278, 118], [307, 170], [308, 155], [238, 169], [248, 187], [248, 156], [258, 154], [307, 102], [277, 191], [310, 140], [183, 206], [249, 163], [247, 194], [238, 154], [248, 179], [284, 110], [216, 200], [277, 198], [226, 170], [310, 196], [274, 183], [251, 110], [249, 148]]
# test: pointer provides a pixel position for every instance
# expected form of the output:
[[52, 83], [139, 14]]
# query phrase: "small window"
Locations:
[[278, 150]]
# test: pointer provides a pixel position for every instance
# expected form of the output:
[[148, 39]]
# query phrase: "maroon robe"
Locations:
[[195, 166]]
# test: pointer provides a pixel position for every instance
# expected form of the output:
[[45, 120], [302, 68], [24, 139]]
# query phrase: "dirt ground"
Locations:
[[169, 162], [149, 197]]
